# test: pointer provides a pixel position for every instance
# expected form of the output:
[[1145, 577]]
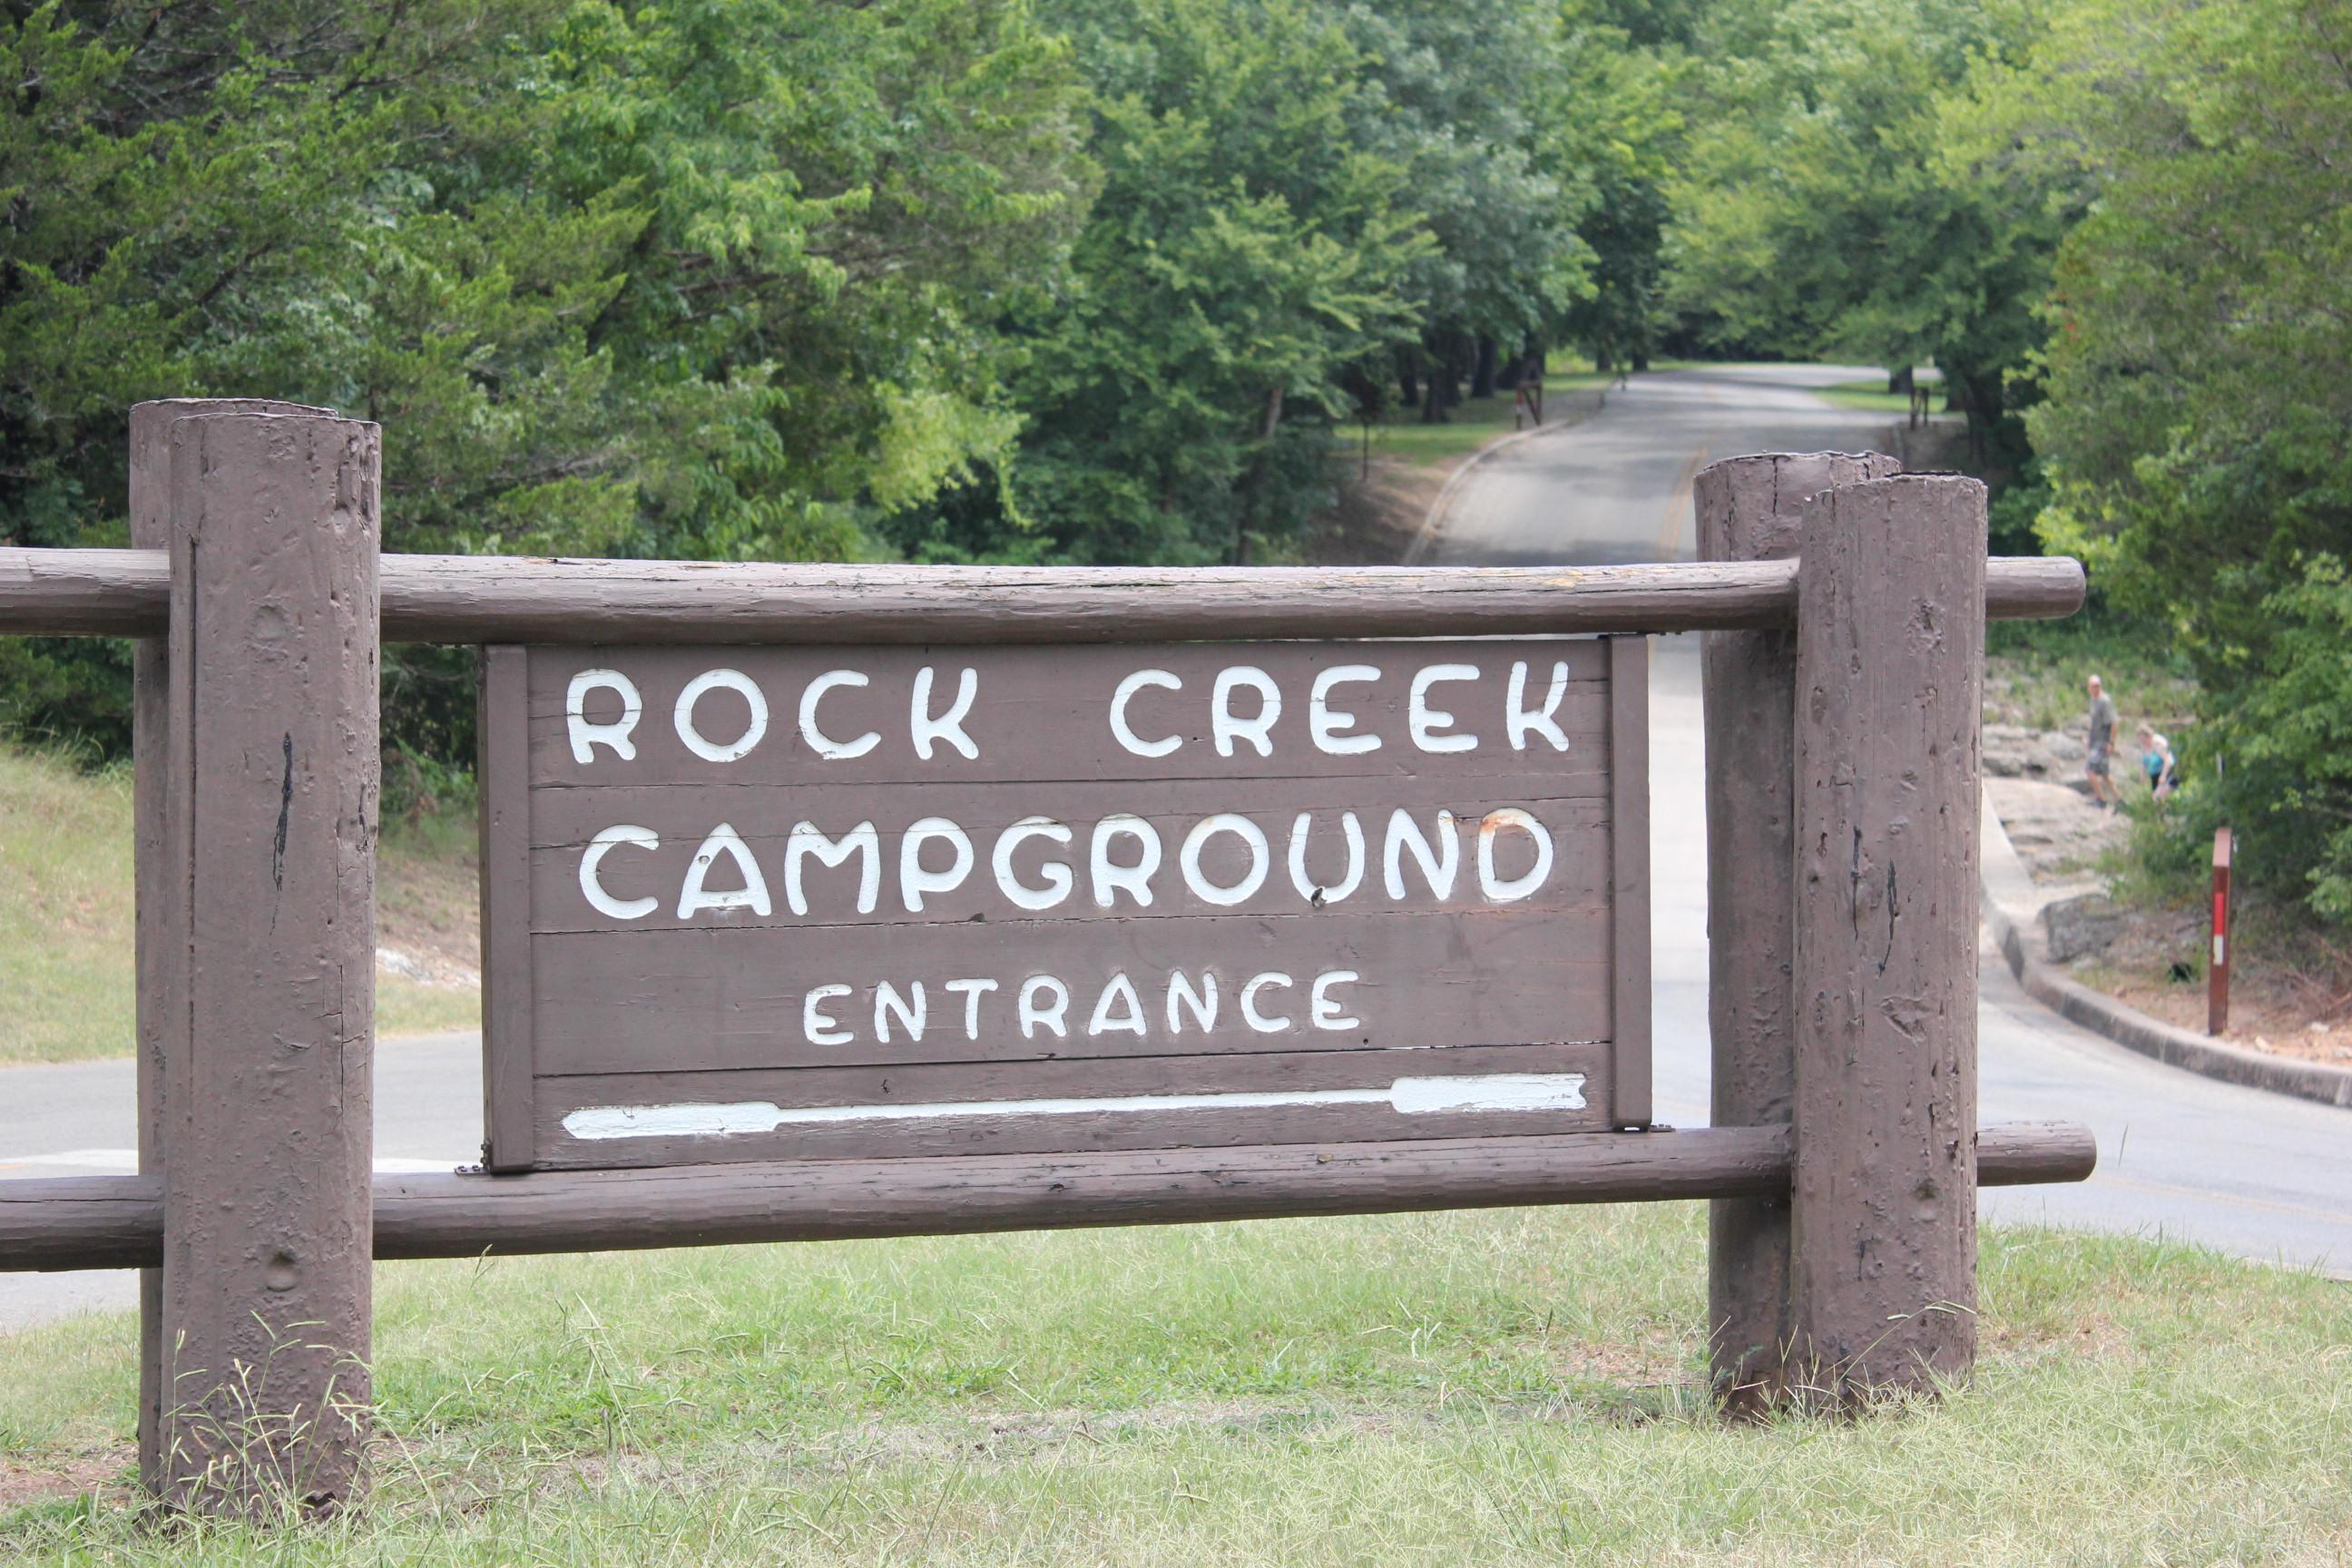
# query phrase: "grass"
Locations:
[[1513, 1386], [2036, 673], [66, 908], [1871, 396], [1470, 424]]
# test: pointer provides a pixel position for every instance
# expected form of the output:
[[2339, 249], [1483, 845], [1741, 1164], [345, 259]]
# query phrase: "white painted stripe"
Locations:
[[127, 1161], [1408, 1096]]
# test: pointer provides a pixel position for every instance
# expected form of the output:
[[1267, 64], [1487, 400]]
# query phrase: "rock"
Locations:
[[2056, 830], [2084, 924], [2016, 751], [2010, 751]]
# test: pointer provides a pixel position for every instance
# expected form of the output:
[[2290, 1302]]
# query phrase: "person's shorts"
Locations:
[[2097, 765]]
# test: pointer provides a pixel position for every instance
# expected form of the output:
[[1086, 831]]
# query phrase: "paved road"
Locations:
[[2180, 1155], [1617, 486]]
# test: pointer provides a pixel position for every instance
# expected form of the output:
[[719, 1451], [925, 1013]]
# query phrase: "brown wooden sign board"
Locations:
[[757, 903]]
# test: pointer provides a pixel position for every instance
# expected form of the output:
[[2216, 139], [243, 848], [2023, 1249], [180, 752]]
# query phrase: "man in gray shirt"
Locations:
[[2099, 767]]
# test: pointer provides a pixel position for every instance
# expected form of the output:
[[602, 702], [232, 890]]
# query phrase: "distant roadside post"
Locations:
[[2217, 972], [826, 902]]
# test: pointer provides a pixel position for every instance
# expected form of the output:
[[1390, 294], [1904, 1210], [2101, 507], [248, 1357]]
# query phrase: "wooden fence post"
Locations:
[[1750, 510], [271, 772], [161, 925], [1890, 656]]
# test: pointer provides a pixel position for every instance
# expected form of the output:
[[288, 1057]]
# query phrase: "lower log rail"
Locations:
[[116, 1222]]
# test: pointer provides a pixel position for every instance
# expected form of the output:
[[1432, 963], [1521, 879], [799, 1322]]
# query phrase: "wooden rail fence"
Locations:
[[1845, 606]]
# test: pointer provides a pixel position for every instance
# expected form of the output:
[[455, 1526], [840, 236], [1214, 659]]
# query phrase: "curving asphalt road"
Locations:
[[2180, 1155]]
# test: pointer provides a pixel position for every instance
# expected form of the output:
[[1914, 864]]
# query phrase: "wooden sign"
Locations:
[[757, 903]]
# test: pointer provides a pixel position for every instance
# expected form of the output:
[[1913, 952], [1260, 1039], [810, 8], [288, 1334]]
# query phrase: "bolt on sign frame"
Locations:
[[1455, 1015]]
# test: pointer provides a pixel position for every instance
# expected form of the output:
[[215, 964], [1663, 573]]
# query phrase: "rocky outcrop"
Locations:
[[2086, 923]]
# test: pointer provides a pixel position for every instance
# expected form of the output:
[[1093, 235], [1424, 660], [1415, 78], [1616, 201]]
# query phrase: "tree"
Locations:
[[1244, 249], [2196, 421], [1820, 212], [704, 279]]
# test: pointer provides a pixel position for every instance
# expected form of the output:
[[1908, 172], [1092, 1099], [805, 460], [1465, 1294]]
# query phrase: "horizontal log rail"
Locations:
[[486, 599], [116, 1222]]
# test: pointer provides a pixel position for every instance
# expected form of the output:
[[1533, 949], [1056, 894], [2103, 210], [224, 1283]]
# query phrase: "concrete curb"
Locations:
[[1432, 523], [2013, 911]]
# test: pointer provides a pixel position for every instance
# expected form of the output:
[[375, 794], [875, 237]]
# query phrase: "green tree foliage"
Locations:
[[1245, 247], [1298, 200], [2197, 417], [1820, 210], [710, 279]]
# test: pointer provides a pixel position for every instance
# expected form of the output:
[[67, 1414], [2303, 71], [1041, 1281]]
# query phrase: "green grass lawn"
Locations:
[[1471, 423], [1513, 1386], [66, 977], [1871, 396]]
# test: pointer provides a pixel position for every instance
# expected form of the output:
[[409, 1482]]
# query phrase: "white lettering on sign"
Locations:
[[1119, 723], [1224, 861], [1429, 725], [733, 680], [913, 874], [587, 736], [822, 744], [592, 888], [926, 729], [694, 898], [1330, 729], [1520, 720], [1226, 726]]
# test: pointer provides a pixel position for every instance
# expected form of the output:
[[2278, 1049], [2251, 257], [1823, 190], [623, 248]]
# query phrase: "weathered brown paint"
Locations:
[[1629, 881], [469, 599], [503, 778], [667, 1009], [266, 1119], [1890, 683], [1748, 509], [258, 1007], [160, 921], [116, 1222]]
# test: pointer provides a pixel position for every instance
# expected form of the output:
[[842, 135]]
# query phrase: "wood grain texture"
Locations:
[[640, 998], [992, 1083], [503, 771], [1890, 680], [267, 1119], [158, 825], [475, 599], [718, 1000], [1629, 878], [116, 1222], [1749, 509]]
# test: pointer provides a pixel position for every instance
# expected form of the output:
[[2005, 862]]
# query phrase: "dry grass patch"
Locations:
[[65, 913]]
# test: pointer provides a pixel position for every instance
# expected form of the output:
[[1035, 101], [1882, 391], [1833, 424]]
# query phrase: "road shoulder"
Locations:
[[2012, 908]]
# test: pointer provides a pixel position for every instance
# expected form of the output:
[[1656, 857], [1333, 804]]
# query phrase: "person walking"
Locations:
[[2098, 767], [2157, 761]]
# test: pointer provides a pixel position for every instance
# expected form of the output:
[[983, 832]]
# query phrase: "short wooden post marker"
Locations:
[[271, 764], [1750, 510], [1890, 652]]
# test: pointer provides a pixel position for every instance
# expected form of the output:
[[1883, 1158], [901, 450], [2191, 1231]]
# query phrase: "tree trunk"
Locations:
[[1482, 376]]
